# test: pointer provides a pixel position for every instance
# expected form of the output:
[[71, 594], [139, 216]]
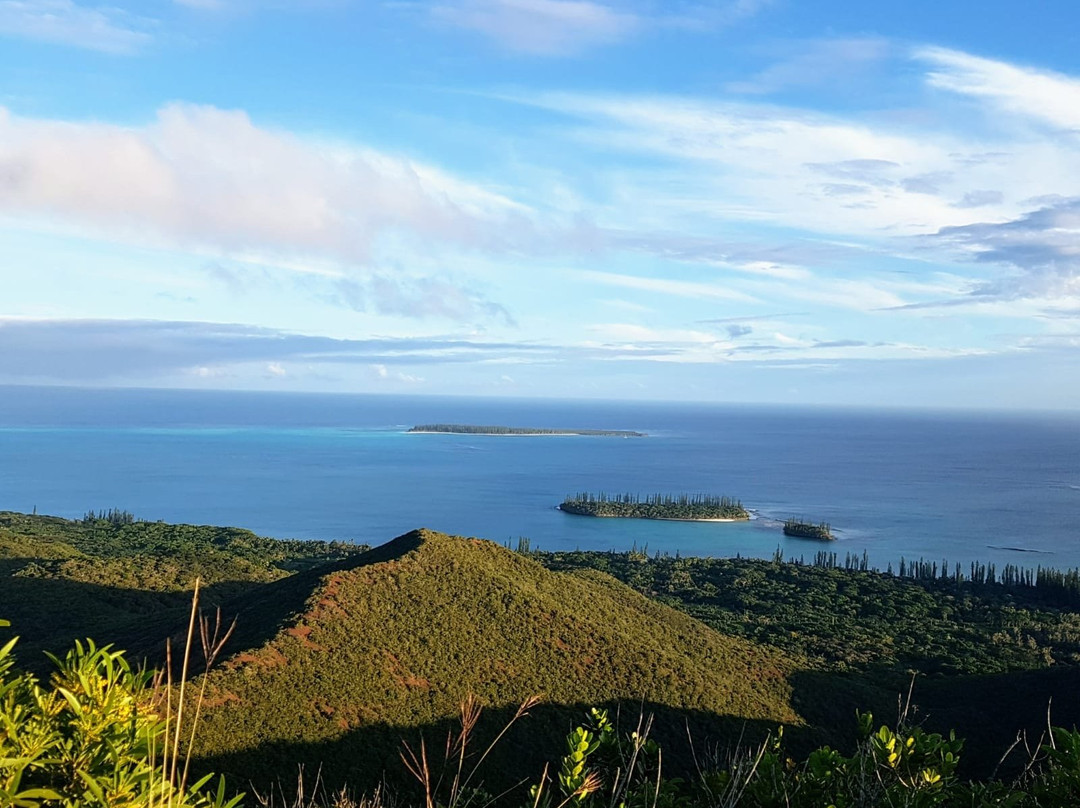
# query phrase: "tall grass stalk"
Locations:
[[455, 754], [180, 739]]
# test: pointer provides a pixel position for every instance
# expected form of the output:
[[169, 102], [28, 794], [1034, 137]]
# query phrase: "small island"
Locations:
[[808, 530], [679, 508], [469, 429]]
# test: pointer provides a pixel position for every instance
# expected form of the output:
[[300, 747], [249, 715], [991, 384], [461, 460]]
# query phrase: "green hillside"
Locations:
[[393, 640], [340, 653]]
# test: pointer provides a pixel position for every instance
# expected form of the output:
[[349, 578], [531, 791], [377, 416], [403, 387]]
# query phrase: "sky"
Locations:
[[776, 201]]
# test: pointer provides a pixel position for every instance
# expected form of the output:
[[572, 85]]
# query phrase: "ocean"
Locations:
[[1001, 488]]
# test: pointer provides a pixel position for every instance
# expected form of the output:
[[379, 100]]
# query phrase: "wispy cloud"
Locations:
[[763, 163], [1041, 95], [540, 27], [65, 22], [937, 188], [627, 341], [813, 63], [709, 15], [572, 27], [401, 294], [419, 297], [693, 289]]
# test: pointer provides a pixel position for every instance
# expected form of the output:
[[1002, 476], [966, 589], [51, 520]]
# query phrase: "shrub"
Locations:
[[94, 736]]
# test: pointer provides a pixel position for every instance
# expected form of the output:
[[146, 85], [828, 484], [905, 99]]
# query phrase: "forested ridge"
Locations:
[[341, 655]]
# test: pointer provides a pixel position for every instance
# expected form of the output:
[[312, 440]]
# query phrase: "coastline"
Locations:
[[656, 518], [677, 519], [522, 434]]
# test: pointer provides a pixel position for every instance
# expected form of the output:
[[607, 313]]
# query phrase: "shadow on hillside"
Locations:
[[365, 757], [50, 614], [988, 711]]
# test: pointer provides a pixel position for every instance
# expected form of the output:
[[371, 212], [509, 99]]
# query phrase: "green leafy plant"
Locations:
[[97, 734], [92, 737]]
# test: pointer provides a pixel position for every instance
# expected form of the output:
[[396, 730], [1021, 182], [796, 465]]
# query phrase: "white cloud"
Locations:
[[541, 27], [816, 62], [631, 342], [67, 23], [383, 373], [768, 164], [1043, 246], [773, 270], [692, 289], [695, 167], [644, 335], [205, 177], [204, 372], [1039, 94]]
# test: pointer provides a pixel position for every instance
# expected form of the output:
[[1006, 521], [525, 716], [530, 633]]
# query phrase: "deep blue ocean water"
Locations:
[[941, 485]]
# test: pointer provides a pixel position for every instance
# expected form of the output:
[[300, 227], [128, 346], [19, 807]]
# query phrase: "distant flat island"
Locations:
[[678, 507], [471, 429]]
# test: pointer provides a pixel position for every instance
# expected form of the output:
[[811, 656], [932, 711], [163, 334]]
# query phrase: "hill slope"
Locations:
[[393, 640], [129, 582]]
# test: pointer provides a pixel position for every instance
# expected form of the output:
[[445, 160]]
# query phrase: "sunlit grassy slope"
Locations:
[[396, 638]]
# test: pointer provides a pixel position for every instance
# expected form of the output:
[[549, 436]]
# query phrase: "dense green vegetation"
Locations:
[[102, 735], [997, 644], [849, 617], [655, 506], [341, 655], [470, 429], [808, 530], [903, 767]]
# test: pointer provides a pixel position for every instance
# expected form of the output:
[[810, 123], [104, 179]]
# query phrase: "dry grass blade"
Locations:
[[168, 716], [470, 715], [212, 645], [540, 787], [522, 711], [174, 763], [528, 704], [418, 768], [590, 785]]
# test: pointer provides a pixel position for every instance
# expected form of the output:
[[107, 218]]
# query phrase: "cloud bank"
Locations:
[[75, 351], [204, 177], [1044, 246]]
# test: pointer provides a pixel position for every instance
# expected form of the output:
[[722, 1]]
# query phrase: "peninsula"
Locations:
[[470, 429], [679, 507], [808, 530]]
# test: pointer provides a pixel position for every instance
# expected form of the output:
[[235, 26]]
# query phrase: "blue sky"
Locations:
[[741, 200]]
